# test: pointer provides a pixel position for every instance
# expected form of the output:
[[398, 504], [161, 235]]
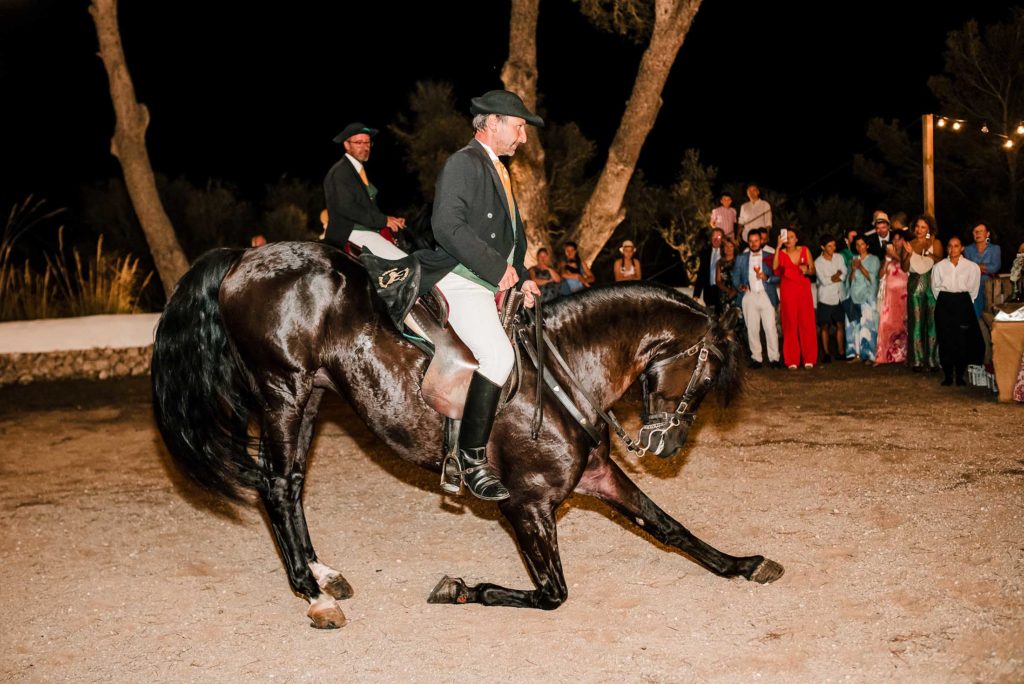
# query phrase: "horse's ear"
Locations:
[[729, 320]]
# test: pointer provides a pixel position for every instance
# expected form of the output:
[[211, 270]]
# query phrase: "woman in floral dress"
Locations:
[[892, 306]]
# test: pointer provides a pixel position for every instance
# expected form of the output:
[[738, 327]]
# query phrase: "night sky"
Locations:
[[775, 92]]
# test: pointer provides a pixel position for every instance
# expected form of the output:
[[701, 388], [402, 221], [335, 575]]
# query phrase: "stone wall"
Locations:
[[98, 364]]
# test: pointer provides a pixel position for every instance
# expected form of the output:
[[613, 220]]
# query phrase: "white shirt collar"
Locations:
[[355, 162], [490, 152]]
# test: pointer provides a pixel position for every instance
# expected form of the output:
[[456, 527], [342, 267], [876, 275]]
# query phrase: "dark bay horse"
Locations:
[[255, 337]]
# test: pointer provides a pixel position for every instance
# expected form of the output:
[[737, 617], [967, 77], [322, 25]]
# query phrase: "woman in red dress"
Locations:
[[793, 263]]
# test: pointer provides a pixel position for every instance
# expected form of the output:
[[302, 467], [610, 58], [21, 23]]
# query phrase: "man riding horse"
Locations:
[[480, 250]]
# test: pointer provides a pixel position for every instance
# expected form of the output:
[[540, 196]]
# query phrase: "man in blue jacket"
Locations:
[[480, 249], [753, 279]]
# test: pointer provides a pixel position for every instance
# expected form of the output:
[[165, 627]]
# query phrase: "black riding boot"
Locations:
[[477, 420]]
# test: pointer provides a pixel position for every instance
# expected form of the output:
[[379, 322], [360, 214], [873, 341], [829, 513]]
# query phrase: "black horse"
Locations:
[[255, 337]]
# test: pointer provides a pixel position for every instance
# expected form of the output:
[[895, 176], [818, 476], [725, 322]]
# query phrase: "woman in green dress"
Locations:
[[919, 255]]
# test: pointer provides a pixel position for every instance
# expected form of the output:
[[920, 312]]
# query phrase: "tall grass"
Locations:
[[100, 285]]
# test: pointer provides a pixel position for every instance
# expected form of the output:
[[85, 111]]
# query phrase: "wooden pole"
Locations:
[[928, 161]]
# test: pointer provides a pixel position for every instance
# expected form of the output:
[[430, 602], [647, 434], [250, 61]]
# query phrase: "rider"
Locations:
[[481, 247], [352, 211]]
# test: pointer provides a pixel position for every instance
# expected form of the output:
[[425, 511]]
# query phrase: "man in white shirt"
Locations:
[[831, 273], [753, 278], [756, 213]]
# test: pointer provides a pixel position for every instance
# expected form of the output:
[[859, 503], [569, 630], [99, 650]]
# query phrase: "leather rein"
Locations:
[[655, 426]]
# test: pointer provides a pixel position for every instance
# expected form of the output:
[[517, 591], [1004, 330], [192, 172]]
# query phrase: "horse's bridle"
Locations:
[[654, 425], [657, 425]]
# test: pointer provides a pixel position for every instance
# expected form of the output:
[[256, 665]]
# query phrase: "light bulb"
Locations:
[[1008, 144], [1020, 129], [942, 122], [984, 128], [956, 125]]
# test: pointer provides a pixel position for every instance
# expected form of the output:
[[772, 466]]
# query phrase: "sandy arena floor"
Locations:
[[895, 506]]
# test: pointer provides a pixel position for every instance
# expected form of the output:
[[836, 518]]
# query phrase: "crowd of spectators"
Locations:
[[890, 293]]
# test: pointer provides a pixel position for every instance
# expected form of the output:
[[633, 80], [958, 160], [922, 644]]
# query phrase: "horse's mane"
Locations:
[[615, 297]]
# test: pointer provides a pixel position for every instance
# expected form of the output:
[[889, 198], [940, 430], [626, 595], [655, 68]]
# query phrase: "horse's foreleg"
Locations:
[[605, 480], [534, 526], [283, 446]]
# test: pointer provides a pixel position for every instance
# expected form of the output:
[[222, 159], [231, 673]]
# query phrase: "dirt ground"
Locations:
[[895, 506]]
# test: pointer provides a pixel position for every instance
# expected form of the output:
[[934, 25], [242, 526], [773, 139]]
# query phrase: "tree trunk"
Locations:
[[604, 212], [129, 146], [520, 76]]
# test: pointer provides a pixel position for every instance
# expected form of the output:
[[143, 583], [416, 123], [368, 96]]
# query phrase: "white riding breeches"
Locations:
[[377, 243], [473, 316], [472, 313]]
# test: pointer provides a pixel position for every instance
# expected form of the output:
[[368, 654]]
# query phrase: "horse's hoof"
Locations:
[[326, 614], [337, 586], [449, 590], [767, 571]]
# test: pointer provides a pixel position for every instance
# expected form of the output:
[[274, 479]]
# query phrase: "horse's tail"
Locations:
[[201, 398], [726, 331]]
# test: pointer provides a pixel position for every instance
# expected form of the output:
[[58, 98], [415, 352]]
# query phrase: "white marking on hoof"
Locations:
[[321, 572]]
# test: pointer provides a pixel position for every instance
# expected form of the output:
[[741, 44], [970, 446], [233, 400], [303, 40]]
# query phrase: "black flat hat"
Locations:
[[354, 129], [503, 102]]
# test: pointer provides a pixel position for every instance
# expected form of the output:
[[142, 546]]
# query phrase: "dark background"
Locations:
[[779, 93]]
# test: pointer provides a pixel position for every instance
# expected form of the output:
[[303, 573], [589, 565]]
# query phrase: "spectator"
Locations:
[[627, 267], [879, 237], [955, 283], [793, 263], [918, 258], [831, 270], [257, 240], [989, 259], [724, 216], [575, 274], [892, 305], [545, 275], [756, 213], [706, 287], [768, 249], [723, 275], [899, 224], [862, 330], [352, 200], [754, 280], [847, 251]]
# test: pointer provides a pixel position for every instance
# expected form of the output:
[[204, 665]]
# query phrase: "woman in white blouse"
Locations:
[[955, 283]]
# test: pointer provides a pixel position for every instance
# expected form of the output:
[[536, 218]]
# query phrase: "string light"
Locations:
[[958, 125]]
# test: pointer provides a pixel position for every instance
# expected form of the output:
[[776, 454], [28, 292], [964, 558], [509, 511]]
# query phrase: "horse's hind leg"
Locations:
[[287, 432], [606, 481], [534, 525]]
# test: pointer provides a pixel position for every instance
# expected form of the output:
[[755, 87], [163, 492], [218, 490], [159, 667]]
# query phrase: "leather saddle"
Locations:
[[424, 322]]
